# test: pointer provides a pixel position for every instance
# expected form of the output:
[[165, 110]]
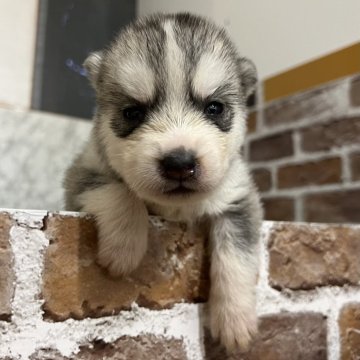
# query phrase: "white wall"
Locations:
[[35, 150], [146, 7], [277, 34], [17, 39]]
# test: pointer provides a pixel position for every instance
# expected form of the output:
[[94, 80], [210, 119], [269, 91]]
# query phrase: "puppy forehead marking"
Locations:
[[174, 62], [210, 73], [137, 78]]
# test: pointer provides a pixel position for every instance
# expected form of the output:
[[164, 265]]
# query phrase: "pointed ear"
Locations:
[[92, 66], [248, 76]]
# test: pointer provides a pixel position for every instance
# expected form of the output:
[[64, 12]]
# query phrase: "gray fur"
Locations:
[[80, 178], [246, 215]]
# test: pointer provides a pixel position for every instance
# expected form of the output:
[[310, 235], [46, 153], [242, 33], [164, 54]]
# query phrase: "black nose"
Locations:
[[179, 164]]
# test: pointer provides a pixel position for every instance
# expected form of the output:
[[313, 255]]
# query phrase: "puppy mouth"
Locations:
[[180, 190]]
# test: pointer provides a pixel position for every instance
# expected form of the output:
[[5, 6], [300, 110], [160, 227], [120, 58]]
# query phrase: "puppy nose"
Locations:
[[179, 164]]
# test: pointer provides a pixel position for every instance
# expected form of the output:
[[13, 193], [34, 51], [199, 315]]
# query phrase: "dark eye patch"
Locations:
[[126, 120], [220, 115], [218, 112], [127, 113], [218, 108]]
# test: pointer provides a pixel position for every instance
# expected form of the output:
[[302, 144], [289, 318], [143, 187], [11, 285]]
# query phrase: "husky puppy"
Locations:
[[170, 122]]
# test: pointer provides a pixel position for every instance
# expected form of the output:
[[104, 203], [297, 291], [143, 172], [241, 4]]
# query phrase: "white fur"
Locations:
[[232, 299], [209, 75], [122, 221], [136, 79], [175, 64]]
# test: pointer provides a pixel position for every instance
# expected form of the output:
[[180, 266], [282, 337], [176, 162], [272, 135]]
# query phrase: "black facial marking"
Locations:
[[127, 114], [125, 121], [218, 113], [223, 120]]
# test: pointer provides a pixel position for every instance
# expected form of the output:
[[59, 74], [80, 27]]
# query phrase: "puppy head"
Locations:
[[171, 93]]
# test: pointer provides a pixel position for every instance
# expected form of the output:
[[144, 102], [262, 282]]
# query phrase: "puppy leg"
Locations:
[[234, 268], [122, 221]]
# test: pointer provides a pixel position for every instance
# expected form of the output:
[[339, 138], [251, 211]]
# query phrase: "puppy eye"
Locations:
[[214, 108], [134, 113]]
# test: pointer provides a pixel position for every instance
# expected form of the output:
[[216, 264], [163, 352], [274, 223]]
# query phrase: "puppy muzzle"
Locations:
[[180, 168], [179, 165]]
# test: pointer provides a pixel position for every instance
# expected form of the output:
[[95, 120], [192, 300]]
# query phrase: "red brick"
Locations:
[[279, 208], [336, 133], [272, 147], [303, 335], [262, 178], [335, 206], [175, 269], [322, 103], [349, 323], [355, 166], [252, 122], [320, 172], [355, 92], [148, 347], [305, 256], [7, 276]]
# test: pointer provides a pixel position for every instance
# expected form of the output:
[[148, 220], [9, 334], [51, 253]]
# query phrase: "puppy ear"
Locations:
[[92, 65], [248, 76]]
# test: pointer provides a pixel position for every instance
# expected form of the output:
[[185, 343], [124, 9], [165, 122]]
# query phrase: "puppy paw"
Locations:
[[233, 326], [117, 263], [120, 261], [122, 223]]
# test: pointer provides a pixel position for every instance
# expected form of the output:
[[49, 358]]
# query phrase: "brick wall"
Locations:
[[304, 151], [56, 303]]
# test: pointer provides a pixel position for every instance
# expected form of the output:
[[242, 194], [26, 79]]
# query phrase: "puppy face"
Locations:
[[171, 94]]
